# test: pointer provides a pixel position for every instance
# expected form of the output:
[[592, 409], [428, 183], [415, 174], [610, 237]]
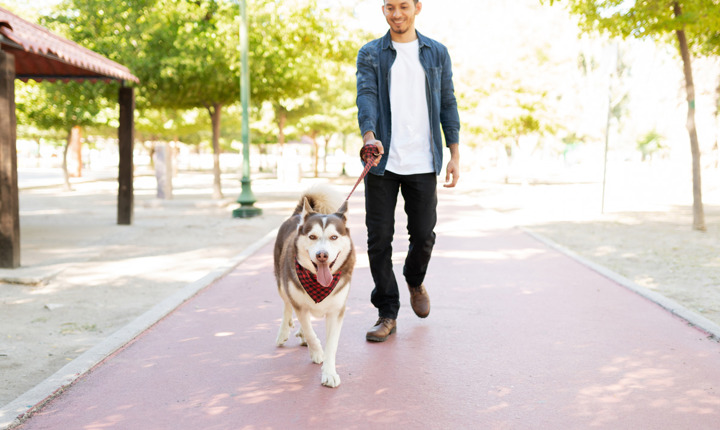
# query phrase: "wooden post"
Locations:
[[9, 203], [126, 138]]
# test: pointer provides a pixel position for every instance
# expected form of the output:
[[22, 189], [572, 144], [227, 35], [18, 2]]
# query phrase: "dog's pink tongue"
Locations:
[[324, 277]]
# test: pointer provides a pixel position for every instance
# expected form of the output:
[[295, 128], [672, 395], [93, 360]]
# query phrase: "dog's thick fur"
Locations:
[[314, 235]]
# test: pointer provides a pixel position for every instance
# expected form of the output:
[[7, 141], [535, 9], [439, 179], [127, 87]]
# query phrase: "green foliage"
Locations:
[[523, 108], [171, 124], [62, 105], [653, 19], [650, 143], [191, 55], [184, 52], [297, 57], [186, 55]]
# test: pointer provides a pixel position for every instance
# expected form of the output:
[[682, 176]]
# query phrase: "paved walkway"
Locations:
[[520, 336]]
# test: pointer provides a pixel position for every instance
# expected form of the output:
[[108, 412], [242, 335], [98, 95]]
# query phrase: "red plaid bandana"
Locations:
[[309, 282]]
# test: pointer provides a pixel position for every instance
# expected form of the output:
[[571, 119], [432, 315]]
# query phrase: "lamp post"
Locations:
[[246, 198]]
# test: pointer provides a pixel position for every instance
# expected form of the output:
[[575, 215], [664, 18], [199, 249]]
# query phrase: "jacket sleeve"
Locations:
[[367, 92], [449, 117]]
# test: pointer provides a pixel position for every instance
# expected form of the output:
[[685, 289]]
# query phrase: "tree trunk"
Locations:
[[715, 148], [698, 213], [325, 152], [66, 174], [215, 112], [316, 152], [281, 116], [76, 145], [282, 119]]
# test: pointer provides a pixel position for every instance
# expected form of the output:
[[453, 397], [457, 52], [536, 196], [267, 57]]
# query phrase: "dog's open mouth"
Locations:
[[324, 272]]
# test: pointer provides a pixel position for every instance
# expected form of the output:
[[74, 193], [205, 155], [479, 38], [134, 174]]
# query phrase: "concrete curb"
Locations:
[[30, 275], [12, 413], [699, 321]]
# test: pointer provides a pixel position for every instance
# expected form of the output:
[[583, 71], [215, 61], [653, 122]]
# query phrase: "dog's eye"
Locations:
[[312, 237], [333, 237]]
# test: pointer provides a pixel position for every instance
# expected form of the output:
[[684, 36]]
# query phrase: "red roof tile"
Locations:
[[40, 54]]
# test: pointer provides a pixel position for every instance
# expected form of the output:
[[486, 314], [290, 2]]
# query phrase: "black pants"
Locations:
[[420, 195]]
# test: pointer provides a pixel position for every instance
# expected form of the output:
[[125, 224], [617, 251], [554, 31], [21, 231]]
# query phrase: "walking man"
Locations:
[[405, 95]]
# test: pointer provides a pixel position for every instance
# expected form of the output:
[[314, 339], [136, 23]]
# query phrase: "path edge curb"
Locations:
[[712, 329], [19, 409]]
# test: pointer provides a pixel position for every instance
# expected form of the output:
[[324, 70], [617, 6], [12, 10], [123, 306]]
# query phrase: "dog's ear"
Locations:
[[307, 209], [343, 209]]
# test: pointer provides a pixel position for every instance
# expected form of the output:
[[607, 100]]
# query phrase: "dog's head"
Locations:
[[323, 242]]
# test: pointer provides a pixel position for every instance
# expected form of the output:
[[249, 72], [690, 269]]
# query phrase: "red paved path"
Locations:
[[520, 337]]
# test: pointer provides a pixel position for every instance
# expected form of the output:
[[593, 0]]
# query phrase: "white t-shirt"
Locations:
[[410, 150]]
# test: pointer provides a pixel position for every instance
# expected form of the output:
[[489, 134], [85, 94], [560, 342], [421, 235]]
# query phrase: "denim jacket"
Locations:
[[374, 61]]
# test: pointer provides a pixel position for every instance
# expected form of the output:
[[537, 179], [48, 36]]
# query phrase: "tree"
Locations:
[[520, 101], [193, 45], [289, 42], [185, 53], [62, 107], [330, 109], [649, 144], [694, 25]]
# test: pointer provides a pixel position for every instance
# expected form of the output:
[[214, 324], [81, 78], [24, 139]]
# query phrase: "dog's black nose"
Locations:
[[322, 256]]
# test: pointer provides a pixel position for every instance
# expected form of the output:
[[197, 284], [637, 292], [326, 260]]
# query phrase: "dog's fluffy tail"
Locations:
[[322, 198]]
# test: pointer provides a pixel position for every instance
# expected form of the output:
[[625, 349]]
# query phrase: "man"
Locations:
[[404, 95]]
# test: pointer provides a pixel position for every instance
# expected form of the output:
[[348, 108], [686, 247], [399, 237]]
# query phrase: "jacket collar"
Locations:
[[387, 40]]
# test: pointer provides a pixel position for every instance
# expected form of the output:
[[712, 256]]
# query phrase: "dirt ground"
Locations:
[[100, 276]]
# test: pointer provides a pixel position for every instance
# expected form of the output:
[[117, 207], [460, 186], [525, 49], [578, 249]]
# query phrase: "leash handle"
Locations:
[[367, 153]]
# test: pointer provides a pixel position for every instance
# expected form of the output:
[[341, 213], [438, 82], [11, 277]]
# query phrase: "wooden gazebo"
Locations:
[[29, 51]]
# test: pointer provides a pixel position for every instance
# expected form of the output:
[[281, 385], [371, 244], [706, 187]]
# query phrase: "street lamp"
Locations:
[[246, 198]]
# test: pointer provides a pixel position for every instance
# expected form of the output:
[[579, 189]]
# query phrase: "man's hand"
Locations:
[[453, 167], [369, 138]]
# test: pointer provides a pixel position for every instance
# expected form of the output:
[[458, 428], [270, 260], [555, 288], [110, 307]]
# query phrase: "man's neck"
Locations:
[[406, 37]]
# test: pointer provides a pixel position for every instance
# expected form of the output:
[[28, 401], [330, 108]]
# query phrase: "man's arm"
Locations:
[[367, 92], [367, 100], [453, 166], [450, 121], [449, 118]]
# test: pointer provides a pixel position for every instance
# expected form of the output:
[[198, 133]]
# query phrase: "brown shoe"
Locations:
[[419, 300], [384, 327]]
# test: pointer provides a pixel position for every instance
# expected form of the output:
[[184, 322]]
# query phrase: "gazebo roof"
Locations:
[[40, 54]]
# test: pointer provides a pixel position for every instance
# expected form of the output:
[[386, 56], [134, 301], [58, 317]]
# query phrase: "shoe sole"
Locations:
[[421, 316], [372, 338]]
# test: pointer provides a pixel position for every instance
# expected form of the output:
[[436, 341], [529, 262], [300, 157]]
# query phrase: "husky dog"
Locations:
[[314, 259]]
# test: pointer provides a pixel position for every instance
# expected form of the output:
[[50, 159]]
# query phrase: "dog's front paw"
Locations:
[[284, 332], [316, 355], [282, 337], [330, 379]]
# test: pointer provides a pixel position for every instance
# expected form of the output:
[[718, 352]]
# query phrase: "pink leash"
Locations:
[[367, 153]]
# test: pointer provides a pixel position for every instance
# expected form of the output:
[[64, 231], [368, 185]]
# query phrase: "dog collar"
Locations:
[[309, 282]]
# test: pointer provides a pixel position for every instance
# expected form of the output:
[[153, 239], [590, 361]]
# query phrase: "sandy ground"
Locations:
[[101, 276]]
